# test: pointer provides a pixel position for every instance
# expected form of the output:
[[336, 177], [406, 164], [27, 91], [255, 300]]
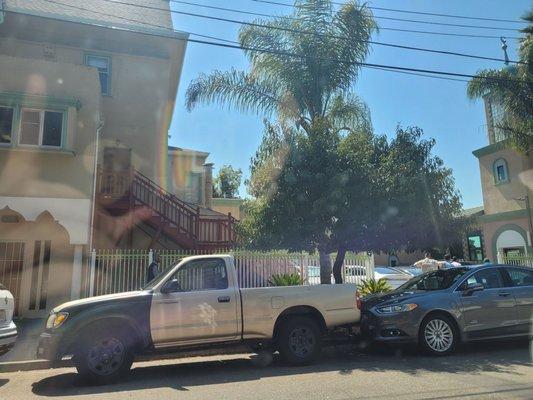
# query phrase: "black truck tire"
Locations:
[[299, 340]]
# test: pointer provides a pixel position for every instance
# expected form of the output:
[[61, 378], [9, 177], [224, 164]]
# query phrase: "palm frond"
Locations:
[[351, 112], [242, 91]]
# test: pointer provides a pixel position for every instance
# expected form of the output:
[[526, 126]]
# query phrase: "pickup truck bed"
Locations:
[[197, 303]]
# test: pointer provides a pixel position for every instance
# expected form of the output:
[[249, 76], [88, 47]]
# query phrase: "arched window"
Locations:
[[501, 173]]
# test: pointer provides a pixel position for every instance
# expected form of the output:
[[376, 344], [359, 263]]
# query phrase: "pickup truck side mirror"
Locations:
[[171, 286], [471, 288]]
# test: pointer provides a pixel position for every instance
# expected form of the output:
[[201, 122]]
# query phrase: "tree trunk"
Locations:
[[325, 268], [337, 266]]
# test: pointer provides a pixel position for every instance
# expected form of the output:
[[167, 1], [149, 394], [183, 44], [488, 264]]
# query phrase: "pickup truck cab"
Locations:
[[196, 304]]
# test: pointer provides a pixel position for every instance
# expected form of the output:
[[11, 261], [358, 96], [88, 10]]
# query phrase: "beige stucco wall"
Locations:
[[145, 72], [187, 174], [499, 198], [38, 173], [226, 206]]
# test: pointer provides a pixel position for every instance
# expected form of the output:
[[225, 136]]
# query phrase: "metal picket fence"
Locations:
[[114, 271], [524, 261]]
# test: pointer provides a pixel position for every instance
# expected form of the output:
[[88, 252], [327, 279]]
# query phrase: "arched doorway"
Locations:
[[511, 241]]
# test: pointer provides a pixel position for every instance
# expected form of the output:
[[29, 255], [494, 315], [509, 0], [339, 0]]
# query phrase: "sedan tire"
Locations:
[[438, 335]]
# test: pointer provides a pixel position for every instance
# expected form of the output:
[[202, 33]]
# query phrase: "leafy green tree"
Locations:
[[227, 182], [303, 75], [513, 88], [370, 194]]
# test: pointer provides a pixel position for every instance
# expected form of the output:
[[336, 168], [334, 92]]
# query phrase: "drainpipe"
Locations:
[[95, 177]]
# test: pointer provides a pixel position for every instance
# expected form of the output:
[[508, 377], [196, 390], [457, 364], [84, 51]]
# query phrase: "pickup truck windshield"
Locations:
[[435, 280]]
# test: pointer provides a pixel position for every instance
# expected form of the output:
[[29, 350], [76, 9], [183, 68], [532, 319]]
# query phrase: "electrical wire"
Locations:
[[413, 48], [254, 49], [407, 12]]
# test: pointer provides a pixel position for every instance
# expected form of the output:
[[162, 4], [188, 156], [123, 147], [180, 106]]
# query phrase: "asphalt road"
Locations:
[[482, 371]]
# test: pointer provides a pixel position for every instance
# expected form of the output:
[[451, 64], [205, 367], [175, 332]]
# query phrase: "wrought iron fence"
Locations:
[[524, 261], [114, 271]]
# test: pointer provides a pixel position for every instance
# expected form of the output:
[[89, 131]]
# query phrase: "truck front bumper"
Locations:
[[50, 347]]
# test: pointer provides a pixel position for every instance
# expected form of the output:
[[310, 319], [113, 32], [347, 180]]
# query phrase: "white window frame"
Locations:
[[41, 128], [13, 125]]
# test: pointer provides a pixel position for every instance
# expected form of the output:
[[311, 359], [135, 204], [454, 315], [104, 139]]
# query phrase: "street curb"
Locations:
[[32, 365]]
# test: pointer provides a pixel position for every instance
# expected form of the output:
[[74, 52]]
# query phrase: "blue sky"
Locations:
[[439, 107]]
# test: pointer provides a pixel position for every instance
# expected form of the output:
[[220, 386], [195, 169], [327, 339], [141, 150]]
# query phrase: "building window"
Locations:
[[6, 124], [475, 247], [103, 65], [41, 128], [501, 174]]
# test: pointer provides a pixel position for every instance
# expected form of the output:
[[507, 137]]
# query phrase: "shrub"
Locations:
[[285, 280], [372, 286]]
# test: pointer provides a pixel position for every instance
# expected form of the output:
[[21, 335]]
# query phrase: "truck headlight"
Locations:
[[397, 308], [55, 320]]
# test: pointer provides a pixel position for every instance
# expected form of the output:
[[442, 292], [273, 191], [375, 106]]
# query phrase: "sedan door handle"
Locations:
[[504, 294], [224, 299]]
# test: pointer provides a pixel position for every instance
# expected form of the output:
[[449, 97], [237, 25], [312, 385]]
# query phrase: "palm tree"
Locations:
[[304, 72], [513, 88]]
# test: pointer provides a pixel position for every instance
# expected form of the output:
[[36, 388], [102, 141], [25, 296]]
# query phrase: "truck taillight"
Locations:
[[357, 300]]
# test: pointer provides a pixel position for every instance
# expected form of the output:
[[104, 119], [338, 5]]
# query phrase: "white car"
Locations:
[[354, 273], [8, 329]]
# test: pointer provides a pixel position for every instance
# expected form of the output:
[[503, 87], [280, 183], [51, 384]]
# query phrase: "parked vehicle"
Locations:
[[354, 274], [441, 308], [8, 329], [197, 304]]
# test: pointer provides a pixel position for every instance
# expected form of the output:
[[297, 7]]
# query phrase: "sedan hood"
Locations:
[[393, 297]]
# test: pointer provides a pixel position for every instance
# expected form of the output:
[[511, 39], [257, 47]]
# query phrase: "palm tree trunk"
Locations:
[[337, 266], [325, 267]]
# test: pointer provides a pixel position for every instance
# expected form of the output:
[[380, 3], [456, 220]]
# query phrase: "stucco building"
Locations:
[[87, 92], [505, 222]]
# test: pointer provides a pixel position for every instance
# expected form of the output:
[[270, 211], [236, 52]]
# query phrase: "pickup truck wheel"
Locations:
[[299, 341], [104, 358]]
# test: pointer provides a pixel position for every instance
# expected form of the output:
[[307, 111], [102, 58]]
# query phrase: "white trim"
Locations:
[[72, 214]]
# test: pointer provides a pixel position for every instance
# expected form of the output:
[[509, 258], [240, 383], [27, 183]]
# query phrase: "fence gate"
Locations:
[[11, 262]]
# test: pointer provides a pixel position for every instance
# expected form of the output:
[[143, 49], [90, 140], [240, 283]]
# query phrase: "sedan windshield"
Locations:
[[435, 280]]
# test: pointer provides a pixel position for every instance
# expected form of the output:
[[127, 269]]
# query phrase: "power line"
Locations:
[[408, 12], [444, 52], [254, 49], [479, 36], [375, 16]]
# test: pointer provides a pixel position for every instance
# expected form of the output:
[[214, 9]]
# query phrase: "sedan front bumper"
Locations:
[[399, 327]]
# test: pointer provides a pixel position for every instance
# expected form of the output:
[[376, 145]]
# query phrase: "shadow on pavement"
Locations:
[[474, 358], [3, 382]]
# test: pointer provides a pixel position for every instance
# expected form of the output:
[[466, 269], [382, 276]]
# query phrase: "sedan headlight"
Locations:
[[55, 320], [396, 308]]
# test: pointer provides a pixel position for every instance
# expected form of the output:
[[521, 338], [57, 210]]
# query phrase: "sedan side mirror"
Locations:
[[473, 287], [171, 286]]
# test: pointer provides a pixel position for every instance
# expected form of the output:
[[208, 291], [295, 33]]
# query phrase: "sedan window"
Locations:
[[519, 276], [435, 280], [489, 278]]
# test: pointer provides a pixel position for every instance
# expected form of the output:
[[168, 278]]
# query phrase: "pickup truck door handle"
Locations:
[[224, 299], [504, 294]]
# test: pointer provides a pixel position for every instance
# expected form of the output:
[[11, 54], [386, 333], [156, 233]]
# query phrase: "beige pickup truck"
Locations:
[[195, 305]]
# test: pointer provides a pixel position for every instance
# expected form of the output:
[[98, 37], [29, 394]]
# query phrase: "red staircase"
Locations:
[[177, 219]]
